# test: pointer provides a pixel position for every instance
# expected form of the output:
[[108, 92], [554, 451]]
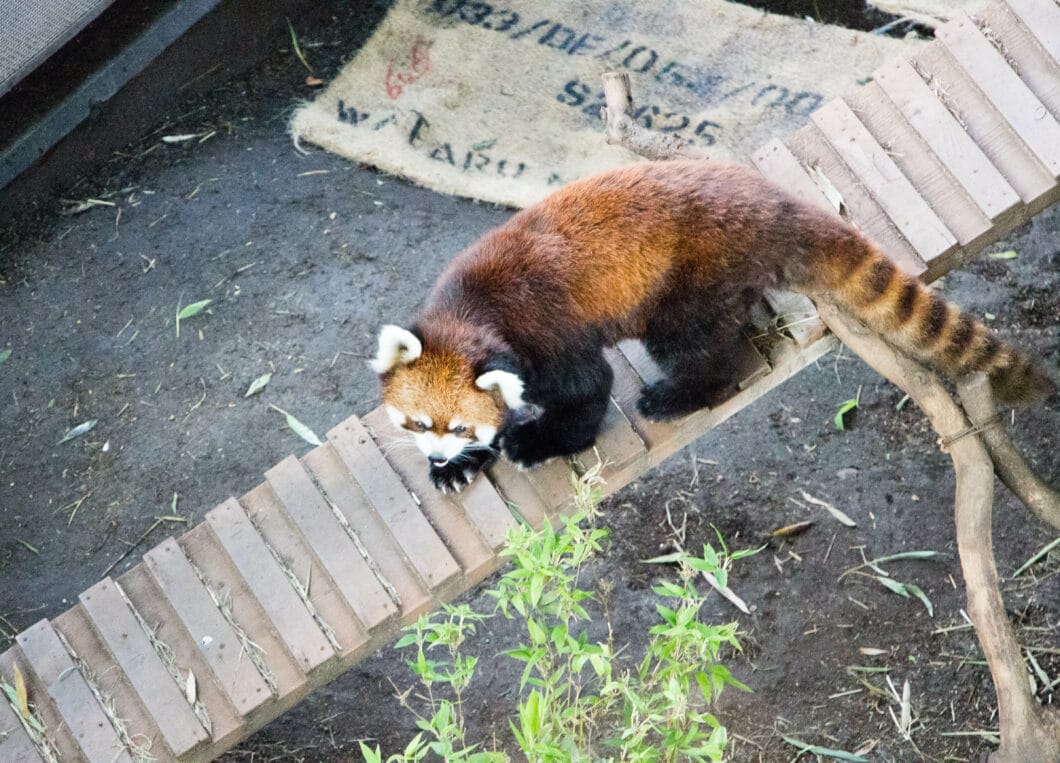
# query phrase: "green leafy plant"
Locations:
[[579, 700]]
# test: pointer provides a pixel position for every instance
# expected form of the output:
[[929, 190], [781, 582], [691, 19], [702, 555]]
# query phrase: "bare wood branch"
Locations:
[[623, 130], [1009, 463]]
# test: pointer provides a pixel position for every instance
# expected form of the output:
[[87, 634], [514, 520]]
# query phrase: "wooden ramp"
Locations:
[[281, 590]]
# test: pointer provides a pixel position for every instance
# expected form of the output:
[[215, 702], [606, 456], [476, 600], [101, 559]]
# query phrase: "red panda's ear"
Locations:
[[396, 346], [509, 385]]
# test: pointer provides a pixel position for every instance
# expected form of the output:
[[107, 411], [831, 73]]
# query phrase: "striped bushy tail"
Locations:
[[919, 321]]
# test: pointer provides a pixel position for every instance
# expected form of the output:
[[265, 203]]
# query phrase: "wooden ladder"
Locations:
[[281, 590]]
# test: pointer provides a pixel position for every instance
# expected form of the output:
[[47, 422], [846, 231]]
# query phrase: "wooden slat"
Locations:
[[125, 640], [76, 627], [62, 745], [948, 141], [172, 573], [776, 162], [636, 354], [403, 519], [552, 481], [933, 182], [395, 566], [15, 744], [226, 724], [814, 151], [333, 548], [625, 391], [514, 487], [877, 172], [1032, 60], [204, 550], [618, 443], [82, 716], [986, 67], [1042, 18], [448, 518], [991, 133], [325, 598], [247, 551]]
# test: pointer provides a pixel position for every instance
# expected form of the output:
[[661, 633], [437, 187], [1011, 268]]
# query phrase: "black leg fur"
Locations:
[[695, 349], [573, 406]]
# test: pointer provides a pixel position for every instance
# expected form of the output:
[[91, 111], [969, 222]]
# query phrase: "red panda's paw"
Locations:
[[453, 477], [665, 400], [525, 446]]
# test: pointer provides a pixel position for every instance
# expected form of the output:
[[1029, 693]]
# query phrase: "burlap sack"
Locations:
[[501, 102]]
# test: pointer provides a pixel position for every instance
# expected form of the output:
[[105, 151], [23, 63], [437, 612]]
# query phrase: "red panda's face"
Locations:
[[436, 397]]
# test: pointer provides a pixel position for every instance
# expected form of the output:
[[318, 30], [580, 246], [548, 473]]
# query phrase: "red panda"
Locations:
[[508, 356]]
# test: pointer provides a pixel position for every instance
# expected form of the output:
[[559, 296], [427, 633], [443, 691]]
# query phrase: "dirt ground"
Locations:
[[302, 258]]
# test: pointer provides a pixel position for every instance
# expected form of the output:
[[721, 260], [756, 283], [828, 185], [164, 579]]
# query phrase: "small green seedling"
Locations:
[[844, 409], [190, 310]]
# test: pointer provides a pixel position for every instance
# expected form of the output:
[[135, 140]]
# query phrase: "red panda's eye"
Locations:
[[459, 429], [419, 426]]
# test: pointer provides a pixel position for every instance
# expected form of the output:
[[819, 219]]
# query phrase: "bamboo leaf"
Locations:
[[4, 355], [894, 585], [918, 592], [21, 698], [193, 309], [191, 689], [258, 385], [79, 430], [826, 752], [298, 427], [1009, 254]]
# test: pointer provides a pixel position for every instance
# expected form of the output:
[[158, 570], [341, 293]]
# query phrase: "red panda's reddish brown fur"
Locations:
[[673, 253]]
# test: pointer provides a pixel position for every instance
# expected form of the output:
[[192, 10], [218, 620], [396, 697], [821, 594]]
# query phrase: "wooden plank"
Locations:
[[62, 745], [514, 487], [948, 141], [304, 641], [991, 133], [83, 718], [987, 68], [448, 517], [814, 151], [618, 445], [226, 725], [552, 481], [218, 644], [932, 181], [330, 543], [776, 162], [126, 641], [333, 614], [412, 594], [478, 501], [878, 173], [15, 744], [205, 551], [1030, 56], [1042, 18], [389, 500], [113, 684], [625, 391]]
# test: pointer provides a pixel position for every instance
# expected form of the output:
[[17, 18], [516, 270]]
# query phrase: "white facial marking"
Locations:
[[485, 434], [448, 446], [396, 416], [424, 419], [508, 384], [396, 345]]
